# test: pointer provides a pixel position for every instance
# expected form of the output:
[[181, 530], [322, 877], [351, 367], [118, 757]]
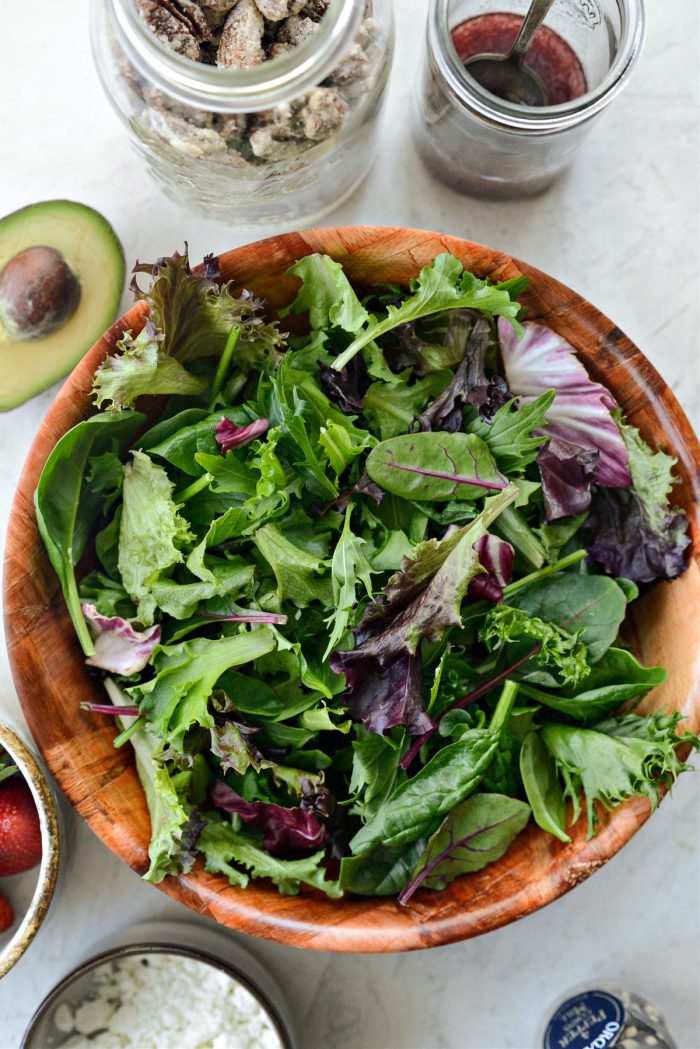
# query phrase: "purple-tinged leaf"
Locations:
[[347, 387], [445, 412], [566, 471], [496, 556], [230, 436], [382, 697], [285, 830], [118, 647], [494, 486], [626, 544], [475, 833], [107, 708], [541, 360], [365, 486], [233, 744], [247, 616], [435, 467]]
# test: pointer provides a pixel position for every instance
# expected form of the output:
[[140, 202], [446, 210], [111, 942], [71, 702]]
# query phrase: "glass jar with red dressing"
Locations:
[[488, 146]]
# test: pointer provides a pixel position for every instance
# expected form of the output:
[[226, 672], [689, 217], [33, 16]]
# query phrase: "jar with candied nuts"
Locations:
[[253, 112]]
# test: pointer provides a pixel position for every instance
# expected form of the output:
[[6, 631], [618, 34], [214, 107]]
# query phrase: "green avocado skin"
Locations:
[[94, 253]]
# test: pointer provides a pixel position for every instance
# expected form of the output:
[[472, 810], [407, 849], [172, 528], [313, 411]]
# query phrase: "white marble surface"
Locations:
[[622, 229]]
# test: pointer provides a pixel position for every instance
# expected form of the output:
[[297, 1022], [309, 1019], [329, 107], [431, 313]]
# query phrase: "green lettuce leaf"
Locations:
[[382, 872], [141, 367], [392, 408], [326, 294], [151, 531], [558, 649], [299, 575]]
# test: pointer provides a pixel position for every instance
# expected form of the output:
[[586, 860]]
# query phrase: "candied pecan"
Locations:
[[240, 46], [219, 7], [157, 99], [271, 143], [191, 14], [171, 30], [276, 10], [277, 49], [231, 126], [315, 9], [353, 67], [185, 137], [295, 30], [324, 113]]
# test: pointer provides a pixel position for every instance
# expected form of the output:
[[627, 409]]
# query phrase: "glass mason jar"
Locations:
[[277, 144], [486, 146]]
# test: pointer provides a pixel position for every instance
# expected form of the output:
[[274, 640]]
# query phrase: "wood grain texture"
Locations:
[[101, 783]]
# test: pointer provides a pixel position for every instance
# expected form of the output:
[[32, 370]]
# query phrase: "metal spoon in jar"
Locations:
[[507, 76]]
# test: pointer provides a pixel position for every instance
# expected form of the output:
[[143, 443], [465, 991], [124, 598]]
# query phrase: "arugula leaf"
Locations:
[[326, 294], [180, 600], [151, 531], [222, 846], [542, 787], [67, 507], [382, 872], [616, 678], [443, 285], [593, 606], [510, 434], [391, 408], [609, 769], [475, 833], [141, 367], [186, 675], [416, 806], [349, 566], [435, 467], [556, 647]]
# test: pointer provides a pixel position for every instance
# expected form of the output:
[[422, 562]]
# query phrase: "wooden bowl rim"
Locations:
[[357, 924]]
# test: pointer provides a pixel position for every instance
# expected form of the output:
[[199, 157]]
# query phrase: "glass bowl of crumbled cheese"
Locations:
[[162, 986]]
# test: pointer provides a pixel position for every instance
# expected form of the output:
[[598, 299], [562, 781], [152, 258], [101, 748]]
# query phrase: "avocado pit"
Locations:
[[39, 293]]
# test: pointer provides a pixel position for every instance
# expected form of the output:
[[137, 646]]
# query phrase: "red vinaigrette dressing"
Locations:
[[549, 55]]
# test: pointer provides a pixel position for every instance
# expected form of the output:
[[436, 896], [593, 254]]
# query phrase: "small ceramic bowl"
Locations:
[[198, 942], [15, 942]]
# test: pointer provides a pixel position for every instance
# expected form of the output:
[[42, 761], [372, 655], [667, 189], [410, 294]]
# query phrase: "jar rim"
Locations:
[[537, 120], [271, 83]]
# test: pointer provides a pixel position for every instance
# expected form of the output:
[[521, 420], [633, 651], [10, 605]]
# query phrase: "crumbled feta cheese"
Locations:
[[163, 1000]]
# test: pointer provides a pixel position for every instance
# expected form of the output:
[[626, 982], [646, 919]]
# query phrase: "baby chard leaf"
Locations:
[[435, 467], [475, 833]]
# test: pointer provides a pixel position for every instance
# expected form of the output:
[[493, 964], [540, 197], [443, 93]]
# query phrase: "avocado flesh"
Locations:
[[90, 247]]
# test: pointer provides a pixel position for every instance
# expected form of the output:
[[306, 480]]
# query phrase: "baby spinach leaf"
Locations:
[[169, 426], [435, 467], [66, 507], [510, 434], [326, 294], [475, 833], [181, 446], [382, 872], [591, 606], [375, 767], [616, 678], [257, 698], [443, 285], [542, 787]]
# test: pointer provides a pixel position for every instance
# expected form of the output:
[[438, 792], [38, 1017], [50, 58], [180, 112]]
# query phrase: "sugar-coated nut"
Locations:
[[231, 126], [190, 12], [240, 46], [277, 50], [168, 28], [185, 137], [353, 67], [270, 143], [324, 113], [157, 99], [315, 9], [295, 30], [220, 7], [276, 10]]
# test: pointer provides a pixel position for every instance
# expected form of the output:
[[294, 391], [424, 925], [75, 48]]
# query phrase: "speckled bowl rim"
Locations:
[[117, 953], [45, 801]]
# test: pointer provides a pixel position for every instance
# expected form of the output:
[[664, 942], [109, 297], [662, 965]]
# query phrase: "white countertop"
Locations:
[[622, 229]]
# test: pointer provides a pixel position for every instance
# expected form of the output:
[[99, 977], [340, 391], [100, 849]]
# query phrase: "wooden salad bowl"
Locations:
[[101, 782]]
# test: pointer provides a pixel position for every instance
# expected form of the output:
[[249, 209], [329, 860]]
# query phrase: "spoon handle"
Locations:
[[537, 12]]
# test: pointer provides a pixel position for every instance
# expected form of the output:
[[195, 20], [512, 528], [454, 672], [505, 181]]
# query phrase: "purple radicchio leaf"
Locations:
[[285, 830], [230, 436], [566, 471], [382, 696], [496, 556], [541, 360], [627, 545], [347, 387], [118, 647], [469, 385]]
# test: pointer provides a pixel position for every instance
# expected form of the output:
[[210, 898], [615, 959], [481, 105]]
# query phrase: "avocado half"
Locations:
[[61, 278]]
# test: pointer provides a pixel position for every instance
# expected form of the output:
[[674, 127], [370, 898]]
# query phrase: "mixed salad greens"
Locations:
[[357, 593]]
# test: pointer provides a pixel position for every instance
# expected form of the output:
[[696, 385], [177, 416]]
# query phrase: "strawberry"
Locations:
[[7, 915], [20, 833]]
